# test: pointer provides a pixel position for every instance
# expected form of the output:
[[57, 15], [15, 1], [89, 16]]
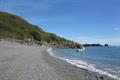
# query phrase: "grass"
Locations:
[[12, 26]]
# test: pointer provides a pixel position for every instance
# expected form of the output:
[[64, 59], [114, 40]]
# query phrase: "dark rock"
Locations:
[[106, 45], [101, 78]]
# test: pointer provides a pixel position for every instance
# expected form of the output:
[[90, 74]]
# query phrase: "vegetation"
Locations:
[[14, 27]]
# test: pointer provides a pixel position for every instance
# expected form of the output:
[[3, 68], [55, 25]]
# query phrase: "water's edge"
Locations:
[[84, 65]]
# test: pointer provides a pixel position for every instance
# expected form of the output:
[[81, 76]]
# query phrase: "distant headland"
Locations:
[[95, 45]]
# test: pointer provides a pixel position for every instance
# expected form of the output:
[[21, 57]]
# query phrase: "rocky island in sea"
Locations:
[[94, 45]]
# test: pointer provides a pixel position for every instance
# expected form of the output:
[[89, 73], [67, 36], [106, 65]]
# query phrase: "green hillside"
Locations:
[[14, 27]]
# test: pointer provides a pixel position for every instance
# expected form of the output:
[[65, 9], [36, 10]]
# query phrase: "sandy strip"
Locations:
[[22, 62]]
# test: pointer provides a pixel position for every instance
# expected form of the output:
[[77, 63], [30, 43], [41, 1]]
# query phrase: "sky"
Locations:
[[84, 21]]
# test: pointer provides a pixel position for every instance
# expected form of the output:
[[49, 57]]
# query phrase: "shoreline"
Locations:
[[24, 62], [75, 72]]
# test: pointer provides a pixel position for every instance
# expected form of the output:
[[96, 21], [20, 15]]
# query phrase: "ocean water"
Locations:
[[103, 60]]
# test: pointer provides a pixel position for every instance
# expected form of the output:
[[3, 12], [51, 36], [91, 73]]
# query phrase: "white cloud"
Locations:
[[111, 41], [24, 5], [117, 29], [39, 5]]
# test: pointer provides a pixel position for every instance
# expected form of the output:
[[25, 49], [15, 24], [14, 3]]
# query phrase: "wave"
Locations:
[[84, 65]]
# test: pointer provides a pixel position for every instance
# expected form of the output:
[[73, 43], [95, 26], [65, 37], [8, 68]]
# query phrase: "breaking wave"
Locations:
[[84, 65]]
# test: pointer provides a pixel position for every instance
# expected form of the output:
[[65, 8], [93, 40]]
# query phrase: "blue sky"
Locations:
[[85, 21]]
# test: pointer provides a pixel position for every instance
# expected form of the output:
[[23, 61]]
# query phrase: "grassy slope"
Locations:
[[12, 26]]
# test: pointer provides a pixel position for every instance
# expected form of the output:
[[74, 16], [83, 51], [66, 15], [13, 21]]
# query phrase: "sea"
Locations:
[[103, 60]]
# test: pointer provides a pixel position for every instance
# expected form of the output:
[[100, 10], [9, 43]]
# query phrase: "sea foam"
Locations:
[[84, 65]]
